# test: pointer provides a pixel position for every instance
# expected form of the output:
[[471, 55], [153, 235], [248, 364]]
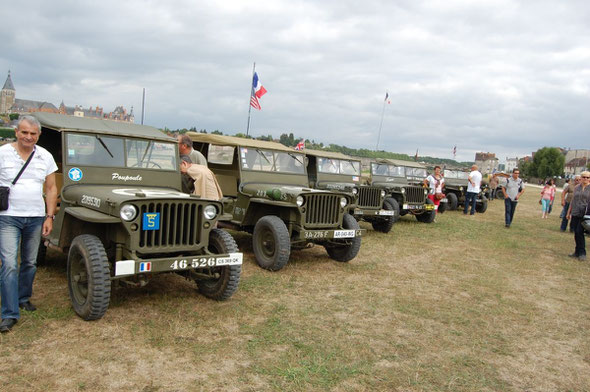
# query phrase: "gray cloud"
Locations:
[[501, 76]]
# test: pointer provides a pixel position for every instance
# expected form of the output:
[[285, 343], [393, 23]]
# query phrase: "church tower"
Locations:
[[7, 95]]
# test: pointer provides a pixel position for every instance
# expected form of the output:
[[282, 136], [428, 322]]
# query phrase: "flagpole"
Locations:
[[381, 124], [249, 100]]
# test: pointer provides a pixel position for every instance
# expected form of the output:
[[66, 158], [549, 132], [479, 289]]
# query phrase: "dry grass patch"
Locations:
[[460, 305]]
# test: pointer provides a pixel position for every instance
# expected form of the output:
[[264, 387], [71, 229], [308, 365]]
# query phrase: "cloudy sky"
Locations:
[[502, 76]]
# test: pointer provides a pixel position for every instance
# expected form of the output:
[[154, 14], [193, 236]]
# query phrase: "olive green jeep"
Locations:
[[266, 192], [122, 216], [456, 182], [402, 181], [336, 171]]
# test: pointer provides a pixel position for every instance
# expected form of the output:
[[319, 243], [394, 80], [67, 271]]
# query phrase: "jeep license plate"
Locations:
[[429, 207], [413, 207], [387, 212], [444, 200], [344, 233]]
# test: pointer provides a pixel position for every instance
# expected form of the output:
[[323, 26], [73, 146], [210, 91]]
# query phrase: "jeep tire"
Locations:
[[385, 224], [427, 216], [351, 246], [89, 280], [271, 243], [453, 202], [226, 278], [483, 206]]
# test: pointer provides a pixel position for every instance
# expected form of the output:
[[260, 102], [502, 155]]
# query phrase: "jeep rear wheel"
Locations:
[[89, 280], [453, 202], [271, 243], [350, 247], [224, 280], [385, 224], [427, 216]]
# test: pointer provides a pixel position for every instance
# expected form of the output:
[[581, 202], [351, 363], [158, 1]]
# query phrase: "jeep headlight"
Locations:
[[382, 193], [403, 190], [299, 201], [355, 191], [425, 191], [128, 212], [460, 189], [343, 202], [210, 211]]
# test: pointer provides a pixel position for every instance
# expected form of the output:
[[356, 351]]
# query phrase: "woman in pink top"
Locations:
[[547, 196]]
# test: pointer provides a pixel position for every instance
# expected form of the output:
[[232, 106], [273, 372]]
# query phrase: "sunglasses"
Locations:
[[586, 177]]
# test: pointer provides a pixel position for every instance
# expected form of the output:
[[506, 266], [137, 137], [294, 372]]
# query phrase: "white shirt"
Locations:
[[475, 176], [432, 183], [26, 196]]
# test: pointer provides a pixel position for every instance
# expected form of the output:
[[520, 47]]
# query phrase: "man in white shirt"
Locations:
[[26, 218], [472, 190]]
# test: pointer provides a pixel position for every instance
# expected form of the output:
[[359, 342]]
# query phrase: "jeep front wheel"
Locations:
[[483, 206], [271, 243], [427, 216], [385, 224], [349, 247], [224, 280], [89, 280]]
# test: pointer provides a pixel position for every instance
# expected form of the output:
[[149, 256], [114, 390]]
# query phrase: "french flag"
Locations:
[[258, 91]]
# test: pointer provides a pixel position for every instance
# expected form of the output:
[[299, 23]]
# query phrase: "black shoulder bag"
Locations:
[[5, 190]]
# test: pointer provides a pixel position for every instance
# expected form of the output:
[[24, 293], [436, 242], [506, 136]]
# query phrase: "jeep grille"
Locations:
[[322, 210], [415, 194], [179, 225], [369, 197]]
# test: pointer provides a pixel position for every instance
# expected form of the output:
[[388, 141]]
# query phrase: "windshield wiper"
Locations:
[[147, 149], [105, 146], [295, 157]]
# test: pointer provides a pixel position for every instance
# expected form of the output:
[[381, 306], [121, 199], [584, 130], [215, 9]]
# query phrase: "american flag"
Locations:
[[387, 98], [257, 92]]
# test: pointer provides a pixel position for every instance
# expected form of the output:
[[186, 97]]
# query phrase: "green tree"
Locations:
[[548, 162]]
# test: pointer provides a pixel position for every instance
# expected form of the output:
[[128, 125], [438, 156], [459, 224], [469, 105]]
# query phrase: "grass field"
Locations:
[[463, 304]]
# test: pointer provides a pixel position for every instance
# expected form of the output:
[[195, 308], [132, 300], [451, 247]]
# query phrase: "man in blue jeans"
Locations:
[[513, 189], [26, 219], [472, 190]]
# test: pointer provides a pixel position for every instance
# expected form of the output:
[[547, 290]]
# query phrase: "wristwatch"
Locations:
[[50, 216]]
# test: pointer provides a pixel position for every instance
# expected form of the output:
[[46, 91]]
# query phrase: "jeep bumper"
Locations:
[[170, 264]]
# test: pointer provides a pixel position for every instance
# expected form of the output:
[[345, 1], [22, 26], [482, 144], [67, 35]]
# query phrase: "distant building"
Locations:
[[10, 104], [576, 161], [511, 164], [7, 95], [486, 162]]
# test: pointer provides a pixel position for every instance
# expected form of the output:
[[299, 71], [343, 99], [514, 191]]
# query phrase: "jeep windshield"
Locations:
[[113, 151], [463, 175], [379, 169], [271, 161], [416, 172], [450, 174], [338, 166]]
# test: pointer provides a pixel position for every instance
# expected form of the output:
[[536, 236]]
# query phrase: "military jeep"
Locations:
[[336, 171], [266, 192], [456, 182], [122, 217], [402, 181]]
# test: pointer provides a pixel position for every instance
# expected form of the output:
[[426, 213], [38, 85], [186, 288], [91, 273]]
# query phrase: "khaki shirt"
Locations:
[[206, 185]]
